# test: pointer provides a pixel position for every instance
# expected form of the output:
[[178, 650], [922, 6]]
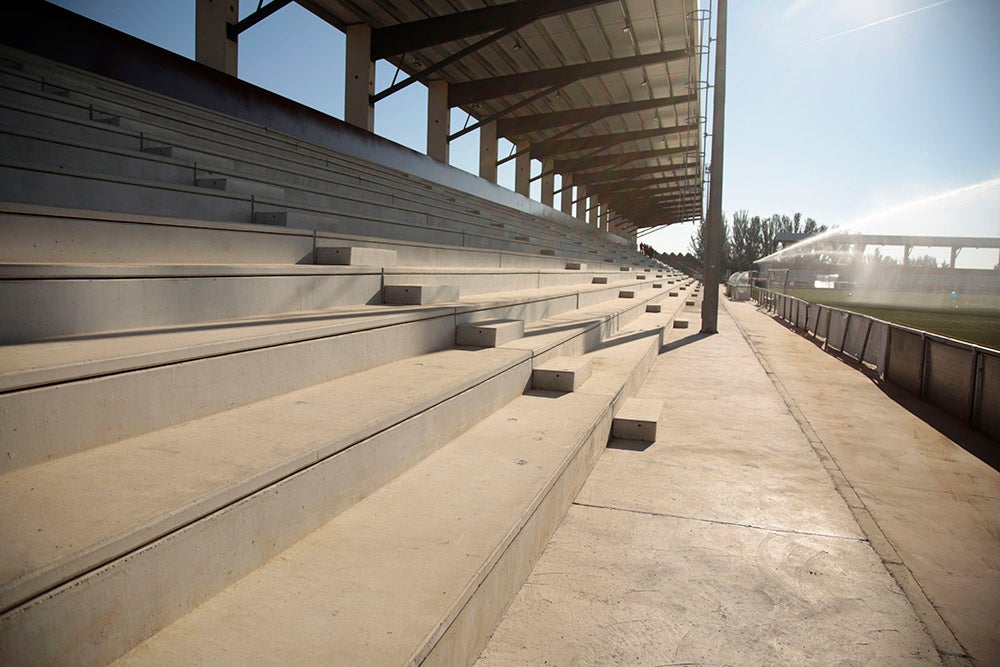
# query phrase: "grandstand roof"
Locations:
[[607, 89]]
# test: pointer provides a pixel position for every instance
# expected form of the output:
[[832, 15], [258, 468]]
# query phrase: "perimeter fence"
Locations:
[[961, 378]]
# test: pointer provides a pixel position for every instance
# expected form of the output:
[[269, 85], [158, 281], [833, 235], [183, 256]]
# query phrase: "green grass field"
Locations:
[[974, 318]]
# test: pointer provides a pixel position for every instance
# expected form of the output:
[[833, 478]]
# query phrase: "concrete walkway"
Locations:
[[775, 521]]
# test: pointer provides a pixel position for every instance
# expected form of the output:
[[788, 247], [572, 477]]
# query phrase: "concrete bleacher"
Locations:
[[216, 403]]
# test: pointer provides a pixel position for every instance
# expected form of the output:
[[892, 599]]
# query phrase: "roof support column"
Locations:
[[488, 151], [212, 45], [438, 120], [712, 273], [359, 79], [548, 182], [605, 216], [581, 203], [522, 168], [566, 198]]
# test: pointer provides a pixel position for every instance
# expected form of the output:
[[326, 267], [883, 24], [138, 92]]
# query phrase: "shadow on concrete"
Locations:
[[629, 445], [681, 342], [978, 444]]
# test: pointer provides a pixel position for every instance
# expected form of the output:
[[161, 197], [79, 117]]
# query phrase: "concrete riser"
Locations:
[[155, 585], [59, 420], [81, 307]]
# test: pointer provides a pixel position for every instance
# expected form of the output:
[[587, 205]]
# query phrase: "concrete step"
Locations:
[[561, 374], [452, 539], [415, 294], [488, 333], [242, 486], [637, 420], [356, 256], [48, 234]]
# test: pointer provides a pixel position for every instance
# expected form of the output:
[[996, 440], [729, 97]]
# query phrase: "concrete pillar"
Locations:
[[438, 120], [488, 151], [566, 203], [581, 205], [906, 254], [548, 182], [212, 45], [359, 79], [522, 169], [954, 256]]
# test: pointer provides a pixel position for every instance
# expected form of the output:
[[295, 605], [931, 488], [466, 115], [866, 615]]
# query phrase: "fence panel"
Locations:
[[802, 320], [812, 322], [948, 376], [906, 350], [857, 331], [838, 330], [989, 396], [877, 341], [822, 328]]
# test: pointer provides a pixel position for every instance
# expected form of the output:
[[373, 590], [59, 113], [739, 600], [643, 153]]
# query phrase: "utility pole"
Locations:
[[712, 273]]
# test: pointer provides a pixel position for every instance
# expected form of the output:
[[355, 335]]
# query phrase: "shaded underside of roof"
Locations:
[[608, 91]]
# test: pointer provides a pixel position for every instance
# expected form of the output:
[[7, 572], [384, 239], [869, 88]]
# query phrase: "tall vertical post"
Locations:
[[548, 182], [566, 196], [581, 204], [212, 45], [712, 274], [488, 151], [522, 169], [438, 120], [359, 81]]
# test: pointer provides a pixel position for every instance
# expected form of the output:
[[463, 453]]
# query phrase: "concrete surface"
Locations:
[[779, 520]]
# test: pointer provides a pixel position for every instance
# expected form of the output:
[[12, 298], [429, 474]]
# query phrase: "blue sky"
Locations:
[[874, 115]]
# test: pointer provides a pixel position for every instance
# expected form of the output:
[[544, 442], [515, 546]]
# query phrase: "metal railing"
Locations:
[[961, 378]]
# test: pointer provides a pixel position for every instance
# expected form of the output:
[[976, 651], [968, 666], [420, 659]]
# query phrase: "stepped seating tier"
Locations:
[[224, 438]]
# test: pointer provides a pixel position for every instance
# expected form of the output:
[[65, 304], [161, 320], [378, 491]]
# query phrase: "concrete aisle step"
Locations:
[[421, 570], [279, 468]]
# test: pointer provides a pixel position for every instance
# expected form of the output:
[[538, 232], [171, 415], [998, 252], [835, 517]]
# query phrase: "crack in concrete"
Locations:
[[722, 523]]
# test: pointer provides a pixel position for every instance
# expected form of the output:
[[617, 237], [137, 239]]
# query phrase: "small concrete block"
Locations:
[[689, 302], [561, 374], [648, 270], [637, 419], [213, 183], [352, 256], [488, 333], [657, 285], [420, 295], [640, 277], [522, 238], [626, 294], [576, 266], [653, 308], [547, 251], [682, 287], [276, 218], [682, 324], [673, 294], [625, 268], [499, 225], [659, 275], [599, 280]]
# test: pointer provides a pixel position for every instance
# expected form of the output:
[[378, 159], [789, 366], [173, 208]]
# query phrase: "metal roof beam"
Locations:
[[394, 40], [551, 147], [611, 175], [460, 94], [518, 125], [596, 161]]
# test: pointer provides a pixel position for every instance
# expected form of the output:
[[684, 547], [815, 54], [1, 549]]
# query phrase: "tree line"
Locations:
[[751, 237]]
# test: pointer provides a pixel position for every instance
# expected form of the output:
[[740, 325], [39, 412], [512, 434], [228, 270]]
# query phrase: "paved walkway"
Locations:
[[775, 521]]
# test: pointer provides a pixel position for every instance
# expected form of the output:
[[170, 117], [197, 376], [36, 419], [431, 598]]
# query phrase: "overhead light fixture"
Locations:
[[625, 28], [517, 46]]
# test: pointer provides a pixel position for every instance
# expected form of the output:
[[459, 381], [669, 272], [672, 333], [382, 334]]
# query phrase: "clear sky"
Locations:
[[876, 115]]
